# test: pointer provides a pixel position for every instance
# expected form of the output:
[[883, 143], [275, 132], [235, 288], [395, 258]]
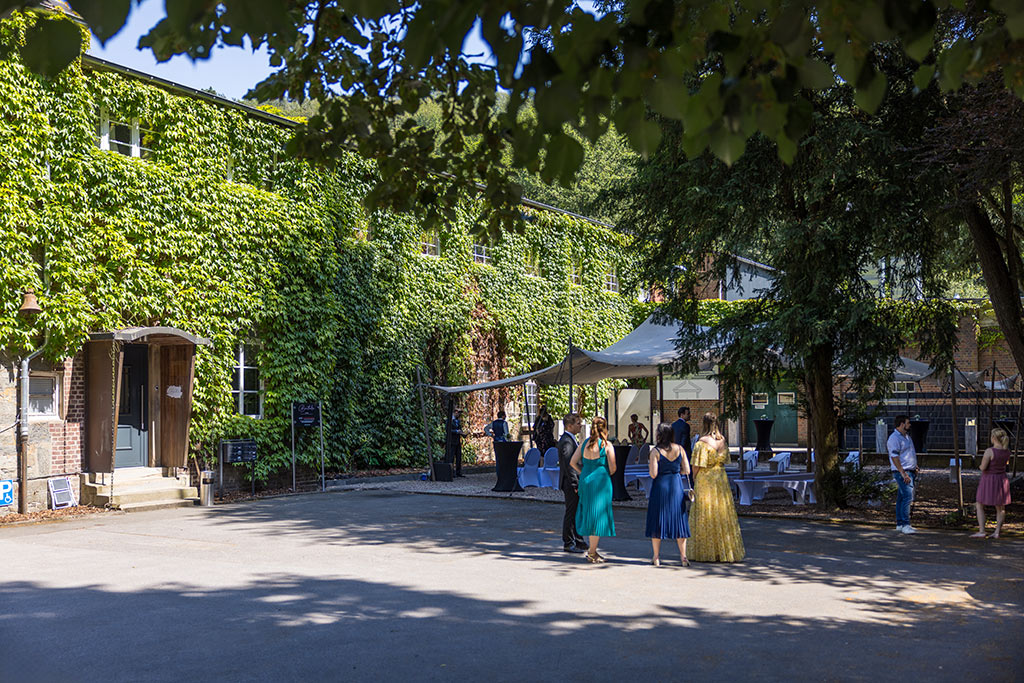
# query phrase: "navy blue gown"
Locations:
[[665, 517]]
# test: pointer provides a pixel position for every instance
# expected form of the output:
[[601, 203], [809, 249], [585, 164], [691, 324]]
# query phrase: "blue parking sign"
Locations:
[[6, 492]]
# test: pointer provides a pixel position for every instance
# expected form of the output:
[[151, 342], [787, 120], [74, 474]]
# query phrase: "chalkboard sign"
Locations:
[[239, 450], [306, 414]]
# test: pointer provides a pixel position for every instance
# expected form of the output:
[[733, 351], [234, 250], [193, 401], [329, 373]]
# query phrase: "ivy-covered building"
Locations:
[[152, 219]]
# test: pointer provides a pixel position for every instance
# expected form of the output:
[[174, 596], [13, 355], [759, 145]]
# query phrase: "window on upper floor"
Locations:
[[530, 416], [576, 274], [611, 280], [532, 263], [482, 254], [129, 138], [43, 395], [246, 385], [430, 244], [483, 375]]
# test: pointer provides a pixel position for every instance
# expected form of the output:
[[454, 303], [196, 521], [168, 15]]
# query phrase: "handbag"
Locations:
[[688, 495]]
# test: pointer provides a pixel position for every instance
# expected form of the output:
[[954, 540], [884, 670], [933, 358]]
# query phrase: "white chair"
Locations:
[[550, 472], [529, 473], [750, 460], [634, 456], [780, 461], [853, 459], [645, 454]]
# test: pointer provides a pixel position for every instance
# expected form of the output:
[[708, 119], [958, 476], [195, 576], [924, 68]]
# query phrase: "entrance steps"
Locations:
[[138, 488]]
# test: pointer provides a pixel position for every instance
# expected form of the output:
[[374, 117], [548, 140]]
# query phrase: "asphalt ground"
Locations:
[[381, 585]]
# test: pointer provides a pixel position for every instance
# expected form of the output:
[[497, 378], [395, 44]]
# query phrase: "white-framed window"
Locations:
[[786, 398], [611, 280], [532, 263], [246, 385], [43, 395], [531, 404], [482, 254], [759, 400], [128, 138], [229, 169], [902, 387], [430, 244]]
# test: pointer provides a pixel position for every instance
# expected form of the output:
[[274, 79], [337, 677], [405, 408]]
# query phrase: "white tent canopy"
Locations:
[[641, 353]]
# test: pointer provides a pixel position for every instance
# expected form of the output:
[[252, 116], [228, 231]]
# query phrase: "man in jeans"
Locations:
[[903, 464]]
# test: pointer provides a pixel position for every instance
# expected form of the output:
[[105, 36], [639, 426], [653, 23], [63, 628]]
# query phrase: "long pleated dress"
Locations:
[[594, 514], [716, 529], [665, 516]]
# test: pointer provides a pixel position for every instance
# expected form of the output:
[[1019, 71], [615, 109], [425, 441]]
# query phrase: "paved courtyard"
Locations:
[[362, 585]]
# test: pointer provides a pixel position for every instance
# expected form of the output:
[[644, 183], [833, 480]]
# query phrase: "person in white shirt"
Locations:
[[903, 464]]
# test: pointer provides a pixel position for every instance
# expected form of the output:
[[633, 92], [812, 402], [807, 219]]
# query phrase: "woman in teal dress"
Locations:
[[594, 514]]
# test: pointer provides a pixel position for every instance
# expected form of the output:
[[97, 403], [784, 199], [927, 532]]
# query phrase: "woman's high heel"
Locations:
[[656, 562]]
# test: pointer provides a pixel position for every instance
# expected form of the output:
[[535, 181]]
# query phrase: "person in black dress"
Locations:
[[455, 441], [569, 482], [544, 431]]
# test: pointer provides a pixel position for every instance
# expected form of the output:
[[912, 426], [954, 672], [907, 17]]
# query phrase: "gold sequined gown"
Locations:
[[713, 524]]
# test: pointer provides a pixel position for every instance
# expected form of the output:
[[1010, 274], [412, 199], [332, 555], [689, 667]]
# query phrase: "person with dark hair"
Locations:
[[544, 430], [666, 513], [681, 430], [569, 483], [498, 430], [591, 462], [716, 529], [903, 465], [637, 431]]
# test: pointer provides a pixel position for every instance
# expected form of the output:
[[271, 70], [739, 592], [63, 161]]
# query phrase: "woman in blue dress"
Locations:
[[665, 515], [594, 514]]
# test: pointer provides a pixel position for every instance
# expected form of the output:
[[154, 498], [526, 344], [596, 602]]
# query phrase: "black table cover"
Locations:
[[619, 491], [506, 459]]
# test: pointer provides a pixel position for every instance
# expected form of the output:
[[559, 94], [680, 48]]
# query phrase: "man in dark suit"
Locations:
[[681, 430], [455, 441], [569, 482]]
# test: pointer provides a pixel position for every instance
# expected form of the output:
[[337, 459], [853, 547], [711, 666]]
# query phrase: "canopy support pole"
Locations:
[[426, 429], [596, 410], [526, 414], [661, 393], [956, 439], [992, 399], [1016, 431], [570, 376], [448, 450]]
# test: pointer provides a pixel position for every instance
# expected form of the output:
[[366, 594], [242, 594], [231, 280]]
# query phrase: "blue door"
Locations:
[[132, 437]]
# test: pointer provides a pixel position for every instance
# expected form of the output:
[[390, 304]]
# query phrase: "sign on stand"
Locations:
[[238, 450], [309, 415]]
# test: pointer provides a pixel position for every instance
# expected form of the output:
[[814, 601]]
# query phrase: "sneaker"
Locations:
[[900, 528], [909, 530]]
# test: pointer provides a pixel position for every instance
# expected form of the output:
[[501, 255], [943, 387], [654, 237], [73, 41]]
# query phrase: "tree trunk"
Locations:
[[824, 423], [1003, 289]]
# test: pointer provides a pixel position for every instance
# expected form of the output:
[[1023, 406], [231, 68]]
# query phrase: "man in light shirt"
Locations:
[[903, 464]]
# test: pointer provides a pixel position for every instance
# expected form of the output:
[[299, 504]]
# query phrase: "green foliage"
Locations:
[[341, 305]]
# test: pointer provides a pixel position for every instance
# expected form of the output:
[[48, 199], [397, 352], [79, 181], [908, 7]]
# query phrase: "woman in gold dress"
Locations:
[[715, 530]]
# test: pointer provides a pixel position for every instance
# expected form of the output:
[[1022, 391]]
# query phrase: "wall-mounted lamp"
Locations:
[[29, 304]]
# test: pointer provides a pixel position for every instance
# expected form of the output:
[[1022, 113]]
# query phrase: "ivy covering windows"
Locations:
[[532, 263], [246, 386], [482, 254]]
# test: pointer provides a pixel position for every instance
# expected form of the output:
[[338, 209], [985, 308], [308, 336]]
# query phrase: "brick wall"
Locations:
[[67, 437]]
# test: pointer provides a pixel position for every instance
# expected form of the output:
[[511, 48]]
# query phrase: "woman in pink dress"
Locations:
[[994, 487]]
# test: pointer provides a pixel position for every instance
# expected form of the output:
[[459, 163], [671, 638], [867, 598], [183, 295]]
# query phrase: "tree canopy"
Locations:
[[726, 69]]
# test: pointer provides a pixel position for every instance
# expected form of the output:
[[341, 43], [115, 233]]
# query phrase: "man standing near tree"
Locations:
[[903, 463]]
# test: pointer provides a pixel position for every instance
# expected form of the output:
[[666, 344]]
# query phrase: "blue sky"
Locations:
[[231, 71]]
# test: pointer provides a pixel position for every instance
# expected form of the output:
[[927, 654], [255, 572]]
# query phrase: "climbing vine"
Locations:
[[341, 305]]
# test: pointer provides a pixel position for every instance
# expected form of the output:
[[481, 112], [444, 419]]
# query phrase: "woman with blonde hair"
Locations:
[[994, 487], [714, 526], [594, 513]]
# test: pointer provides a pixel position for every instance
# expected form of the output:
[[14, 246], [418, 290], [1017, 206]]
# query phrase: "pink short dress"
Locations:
[[994, 487]]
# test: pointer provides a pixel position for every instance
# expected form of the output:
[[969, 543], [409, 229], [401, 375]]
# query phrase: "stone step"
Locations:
[[159, 504], [128, 496], [129, 475]]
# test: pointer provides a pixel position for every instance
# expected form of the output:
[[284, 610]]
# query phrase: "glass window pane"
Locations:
[[234, 380], [252, 379], [234, 401], [251, 402]]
